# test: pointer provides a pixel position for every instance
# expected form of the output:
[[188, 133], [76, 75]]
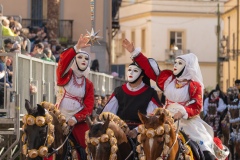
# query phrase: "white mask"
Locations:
[[133, 73], [82, 60], [216, 94], [179, 64]]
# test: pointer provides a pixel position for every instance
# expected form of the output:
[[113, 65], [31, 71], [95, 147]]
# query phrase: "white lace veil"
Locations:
[[192, 70], [79, 73]]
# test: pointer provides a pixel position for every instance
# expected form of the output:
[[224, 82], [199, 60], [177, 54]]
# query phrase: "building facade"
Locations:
[[165, 29], [79, 12], [230, 44]]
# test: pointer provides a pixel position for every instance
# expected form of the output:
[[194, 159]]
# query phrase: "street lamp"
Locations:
[[224, 56], [173, 52]]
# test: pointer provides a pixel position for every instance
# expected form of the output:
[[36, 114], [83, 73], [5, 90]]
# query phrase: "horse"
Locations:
[[159, 139], [231, 123], [106, 139], [45, 133]]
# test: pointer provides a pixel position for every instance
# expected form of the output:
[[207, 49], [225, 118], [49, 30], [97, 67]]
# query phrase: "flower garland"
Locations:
[[108, 136], [61, 118], [162, 130], [41, 121]]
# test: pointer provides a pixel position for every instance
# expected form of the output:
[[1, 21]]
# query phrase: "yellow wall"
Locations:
[[230, 68]]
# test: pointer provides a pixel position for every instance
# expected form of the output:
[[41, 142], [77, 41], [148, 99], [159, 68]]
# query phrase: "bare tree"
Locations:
[[53, 16]]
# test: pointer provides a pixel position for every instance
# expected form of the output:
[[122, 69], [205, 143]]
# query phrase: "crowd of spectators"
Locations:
[[41, 46], [32, 41]]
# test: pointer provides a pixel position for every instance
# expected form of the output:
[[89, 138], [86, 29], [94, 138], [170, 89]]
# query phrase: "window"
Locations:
[[143, 39], [176, 40], [37, 12]]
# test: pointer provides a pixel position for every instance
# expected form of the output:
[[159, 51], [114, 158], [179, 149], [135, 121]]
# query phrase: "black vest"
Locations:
[[131, 102]]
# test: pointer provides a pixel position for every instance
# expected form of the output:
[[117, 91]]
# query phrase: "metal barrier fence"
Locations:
[[29, 71]]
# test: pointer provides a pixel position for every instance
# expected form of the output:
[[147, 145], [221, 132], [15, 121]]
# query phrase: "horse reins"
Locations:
[[129, 155], [175, 138], [56, 150]]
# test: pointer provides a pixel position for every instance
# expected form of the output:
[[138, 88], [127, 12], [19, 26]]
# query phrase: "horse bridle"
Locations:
[[39, 121], [108, 136], [159, 131]]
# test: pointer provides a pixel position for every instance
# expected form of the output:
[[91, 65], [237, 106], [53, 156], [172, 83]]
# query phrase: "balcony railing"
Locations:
[[170, 55], [65, 28]]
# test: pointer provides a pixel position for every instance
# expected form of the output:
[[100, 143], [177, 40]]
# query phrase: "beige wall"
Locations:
[[79, 12], [16, 7], [76, 10], [159, 18]]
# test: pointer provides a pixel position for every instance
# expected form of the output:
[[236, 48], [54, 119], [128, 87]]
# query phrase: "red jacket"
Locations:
[[62, 79], [195, 91]]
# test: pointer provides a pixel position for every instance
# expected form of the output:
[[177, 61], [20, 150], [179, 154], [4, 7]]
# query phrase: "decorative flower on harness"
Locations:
[[42, 121]]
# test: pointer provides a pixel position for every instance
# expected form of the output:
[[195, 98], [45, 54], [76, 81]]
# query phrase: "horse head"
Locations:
[[106, 139], [42, 125], [157, 137], [35, 131]]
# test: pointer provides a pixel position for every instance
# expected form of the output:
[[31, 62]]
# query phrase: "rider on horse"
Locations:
[[214, 106], [183, 88], [133, 96], [75, 94]]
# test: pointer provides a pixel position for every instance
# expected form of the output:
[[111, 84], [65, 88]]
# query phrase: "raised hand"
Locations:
[[82, 42], [128, 45]]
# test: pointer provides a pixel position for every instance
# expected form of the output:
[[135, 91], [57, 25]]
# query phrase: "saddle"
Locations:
[[197, 153]]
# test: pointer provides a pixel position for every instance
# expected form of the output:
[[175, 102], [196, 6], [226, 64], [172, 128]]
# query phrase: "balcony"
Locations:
[[171, 54]]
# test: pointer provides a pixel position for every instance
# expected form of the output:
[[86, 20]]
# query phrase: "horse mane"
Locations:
[[60, 126], [118, 126], [107, 127]]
